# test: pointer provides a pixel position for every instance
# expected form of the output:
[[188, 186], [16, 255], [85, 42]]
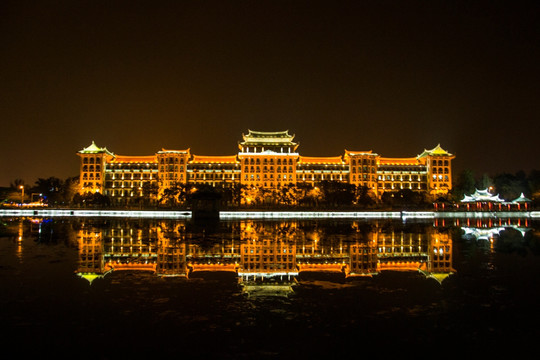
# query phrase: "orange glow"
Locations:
[[321, 267], [134, 159], [398, 161], [228, 159], [137, 267], [320, 160], [213, 267], [349, 153], [178, 151]]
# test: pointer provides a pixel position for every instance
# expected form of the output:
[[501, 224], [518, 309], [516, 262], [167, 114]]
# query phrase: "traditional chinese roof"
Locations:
[[134, 159], [436, 151], [521, 199], [163, 151], [94, 149], [268, 137], [320, 160], [228, 159], [482, 196], [368, 152], [398, 161]]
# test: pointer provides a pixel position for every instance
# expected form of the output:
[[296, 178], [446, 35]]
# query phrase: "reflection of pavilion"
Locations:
[[489, 233], [266, 256], [488, 228]]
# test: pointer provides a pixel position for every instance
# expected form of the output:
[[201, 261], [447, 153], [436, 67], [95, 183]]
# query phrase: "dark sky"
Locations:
[[392, 77]]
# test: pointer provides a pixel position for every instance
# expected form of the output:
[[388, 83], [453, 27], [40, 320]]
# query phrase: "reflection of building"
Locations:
[[90, 242], [266, 256], [265, 160]]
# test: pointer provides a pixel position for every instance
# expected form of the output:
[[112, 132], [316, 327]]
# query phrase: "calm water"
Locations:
[[115, 288]]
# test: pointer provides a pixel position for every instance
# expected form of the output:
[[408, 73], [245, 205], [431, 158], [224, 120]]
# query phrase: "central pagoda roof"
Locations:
[[268, 137]]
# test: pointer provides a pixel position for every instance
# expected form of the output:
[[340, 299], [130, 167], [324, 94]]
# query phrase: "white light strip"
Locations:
[[306, 214], [97, 213], [272, 214]]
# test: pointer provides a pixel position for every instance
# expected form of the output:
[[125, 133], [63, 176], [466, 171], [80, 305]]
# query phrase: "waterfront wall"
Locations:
[[167, 214]]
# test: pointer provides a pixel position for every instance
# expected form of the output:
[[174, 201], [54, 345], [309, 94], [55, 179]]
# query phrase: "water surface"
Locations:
[[255, 289]]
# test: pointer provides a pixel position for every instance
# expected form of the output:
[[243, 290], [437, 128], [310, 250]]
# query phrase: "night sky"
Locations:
[[392, 77]]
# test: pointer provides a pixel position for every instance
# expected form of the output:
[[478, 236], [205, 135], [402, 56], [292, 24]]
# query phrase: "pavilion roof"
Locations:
[[482, 196], [521, 199]]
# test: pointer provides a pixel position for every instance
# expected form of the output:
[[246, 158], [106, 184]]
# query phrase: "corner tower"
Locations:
[[92, 170], [439, 169]]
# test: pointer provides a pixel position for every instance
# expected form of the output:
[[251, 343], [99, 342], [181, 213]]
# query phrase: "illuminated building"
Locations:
[[265, 160]]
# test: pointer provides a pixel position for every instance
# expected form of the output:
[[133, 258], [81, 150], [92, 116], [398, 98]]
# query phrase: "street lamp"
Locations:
[[22, 194]]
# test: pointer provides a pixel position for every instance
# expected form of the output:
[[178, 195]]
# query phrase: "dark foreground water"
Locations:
[[115, 288]]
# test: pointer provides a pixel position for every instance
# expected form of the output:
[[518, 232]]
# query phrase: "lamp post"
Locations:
[[22, 194]]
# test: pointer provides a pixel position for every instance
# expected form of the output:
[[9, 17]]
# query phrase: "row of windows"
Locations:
[[265, 169], [258, 258], [401, 186], [91, 176], [92, 160], [364, 177], [132, 176], [171, 160], [91, 168], [440, 163], [319, 177], [171, 176], [268, 161], [402, 177], [440, 178], [257, 149], [265, 176], [132, 167], [210, 176], [363, 161], [171, 168], [176, 168], [363, 169], [124, 184], [440, 170]]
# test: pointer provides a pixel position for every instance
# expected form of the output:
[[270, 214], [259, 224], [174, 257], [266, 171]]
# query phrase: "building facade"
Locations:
[[267, 160]]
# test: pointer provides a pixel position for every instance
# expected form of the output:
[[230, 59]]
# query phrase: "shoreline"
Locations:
[[269, 214]]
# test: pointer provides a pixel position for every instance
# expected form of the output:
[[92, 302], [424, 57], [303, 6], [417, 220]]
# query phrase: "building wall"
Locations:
[[264, 160]]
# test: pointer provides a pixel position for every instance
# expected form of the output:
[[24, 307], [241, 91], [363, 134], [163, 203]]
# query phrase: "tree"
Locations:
[[337, 193], [465, 184], [510, 186], [364, 196], [51, 190], [150, 191], [252, 195]]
